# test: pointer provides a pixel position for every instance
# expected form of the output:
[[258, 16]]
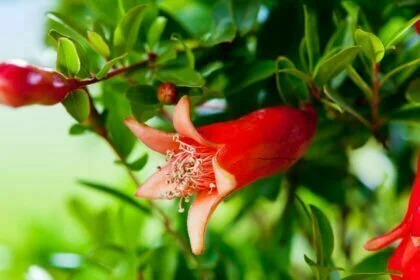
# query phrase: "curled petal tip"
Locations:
[[225, 181], [199, 214]]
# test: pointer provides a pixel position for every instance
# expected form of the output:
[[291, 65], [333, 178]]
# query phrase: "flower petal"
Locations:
[[156, 187], [156, 140], [225, 181], [183, 124], [386, 239], [198, 217]]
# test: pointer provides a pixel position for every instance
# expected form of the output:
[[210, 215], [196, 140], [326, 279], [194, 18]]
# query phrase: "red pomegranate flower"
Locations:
[[215, 160], [406, 258], [22, 84]]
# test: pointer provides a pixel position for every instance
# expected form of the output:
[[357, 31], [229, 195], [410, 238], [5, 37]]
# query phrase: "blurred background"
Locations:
[[38, 170], [41, 239]]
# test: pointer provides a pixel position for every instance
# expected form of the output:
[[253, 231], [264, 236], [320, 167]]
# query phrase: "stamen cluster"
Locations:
[[191, 171]]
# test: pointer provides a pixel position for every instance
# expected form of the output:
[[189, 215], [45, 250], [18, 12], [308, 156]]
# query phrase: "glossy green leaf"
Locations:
[[358, 80], [77, 129], [138, 164], [155, 32], [105, 10], [256, 72], [322, 235], [77, 104], [143, 102], [211, 68], [126, 32], [108, 66], [413, 91], [98, 44], [373, 263], [340, 101], [408, 113], [224, 28], [188, 52], [370, 45], [183, 77], [246, 13], [68, 61], [127, 199], [327, 69], [290, 89], [395, 71], [365, 276], [396, 37], [311, 36], [69, 23]]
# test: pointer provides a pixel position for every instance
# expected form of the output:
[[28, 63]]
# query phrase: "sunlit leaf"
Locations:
[[98, 44], [371, 45], [183, 77], [311, 36], [126, 32], [328, 68], [68, 61], [155, 32]]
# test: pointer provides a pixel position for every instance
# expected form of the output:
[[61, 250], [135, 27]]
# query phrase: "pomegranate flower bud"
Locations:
[[406, 258], [167, 94], [22, 84], [215, 160]]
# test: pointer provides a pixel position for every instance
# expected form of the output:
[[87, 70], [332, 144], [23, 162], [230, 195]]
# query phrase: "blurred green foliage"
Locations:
[[356, 60]]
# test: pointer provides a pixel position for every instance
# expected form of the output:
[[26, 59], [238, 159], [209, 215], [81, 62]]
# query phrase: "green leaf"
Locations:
[[254, 73], [363, 276], [322, 235], [288, 87], [188, 52], [409, 113], [143, 102], [77, 104], [327, 69], [210, 68], [69, 23], [108, 66], [413, 91], [371, 45], [224, 28], [68, 62], [246, 13], [182, 77], [77, 129], [166, 54], [413, 63], [127, 199], [396, 37], [359, 82], [373, 263], [106, 10], [126, 32], [336, 97], [311, 36], [155, 32], [98, 44], [138, 164]]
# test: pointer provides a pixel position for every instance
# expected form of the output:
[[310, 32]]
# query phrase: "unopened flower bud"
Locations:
[[22, 84], [167, 94]]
